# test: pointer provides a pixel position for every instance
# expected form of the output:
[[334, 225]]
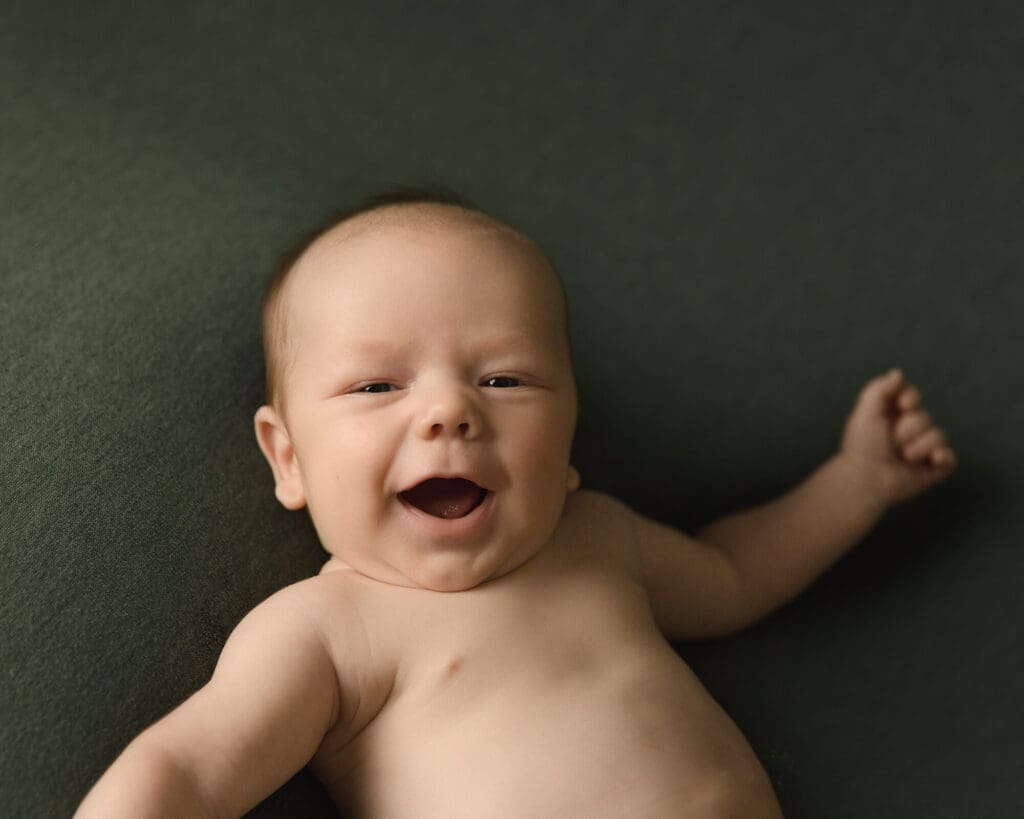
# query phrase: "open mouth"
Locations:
[[445, 497]]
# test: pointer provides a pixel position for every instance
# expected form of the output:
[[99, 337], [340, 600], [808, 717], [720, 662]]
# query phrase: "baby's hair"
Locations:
[[273, 312]]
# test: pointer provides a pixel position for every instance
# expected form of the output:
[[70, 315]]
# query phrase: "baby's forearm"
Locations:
[[782, 546], [144, 783]]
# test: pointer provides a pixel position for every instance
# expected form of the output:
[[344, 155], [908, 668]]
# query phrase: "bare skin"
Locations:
[[512, 660], [547, 692]]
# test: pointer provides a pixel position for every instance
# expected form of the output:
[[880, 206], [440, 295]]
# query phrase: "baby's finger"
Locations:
[[909, 426], [943, 458], [878, 393], [910, 398], [922, 446]]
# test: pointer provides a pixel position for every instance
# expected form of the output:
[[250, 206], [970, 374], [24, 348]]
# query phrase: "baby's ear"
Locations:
[[276, 445], [573, 481]]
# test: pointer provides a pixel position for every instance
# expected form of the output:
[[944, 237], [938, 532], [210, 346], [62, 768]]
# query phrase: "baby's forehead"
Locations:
[[372, 241], [398, 226]]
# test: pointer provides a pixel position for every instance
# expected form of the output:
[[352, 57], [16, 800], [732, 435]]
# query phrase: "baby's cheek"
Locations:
[[538, 456]]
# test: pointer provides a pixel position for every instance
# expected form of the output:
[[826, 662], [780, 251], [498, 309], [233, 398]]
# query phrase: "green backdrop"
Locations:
[[755, 207]]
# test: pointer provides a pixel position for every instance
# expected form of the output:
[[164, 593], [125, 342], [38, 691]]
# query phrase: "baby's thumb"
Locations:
[[877, 395]]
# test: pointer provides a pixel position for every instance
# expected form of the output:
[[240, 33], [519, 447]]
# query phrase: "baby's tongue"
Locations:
[[444, 497]]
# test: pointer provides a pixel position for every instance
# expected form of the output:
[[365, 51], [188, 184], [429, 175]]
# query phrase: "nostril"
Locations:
[[463, 428]]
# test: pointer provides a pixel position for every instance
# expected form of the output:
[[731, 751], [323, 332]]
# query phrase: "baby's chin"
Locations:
[[451, 578], [448, 584], [443, 573]]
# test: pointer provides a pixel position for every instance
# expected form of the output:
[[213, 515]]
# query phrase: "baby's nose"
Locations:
[[450, 413]]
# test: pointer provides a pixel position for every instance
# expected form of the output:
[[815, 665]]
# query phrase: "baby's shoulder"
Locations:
[[341, 604], [325, 607], [596, 503], [601, 525], [315, 597], [592, 513], [346, 616]]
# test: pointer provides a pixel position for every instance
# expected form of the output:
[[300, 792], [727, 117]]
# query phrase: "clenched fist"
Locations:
[[893, 444]]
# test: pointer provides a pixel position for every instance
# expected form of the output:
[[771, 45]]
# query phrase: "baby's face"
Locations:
[[423, 351]]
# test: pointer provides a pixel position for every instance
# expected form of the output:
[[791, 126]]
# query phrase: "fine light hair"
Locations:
[[274, 312]]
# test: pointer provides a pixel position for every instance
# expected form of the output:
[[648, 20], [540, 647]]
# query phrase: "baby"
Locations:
[[487, 639]]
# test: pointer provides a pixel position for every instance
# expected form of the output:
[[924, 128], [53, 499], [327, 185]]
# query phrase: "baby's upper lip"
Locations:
[[468, 476]]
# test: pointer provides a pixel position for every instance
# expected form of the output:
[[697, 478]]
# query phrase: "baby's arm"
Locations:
[[260, 718], [743, 566], [890, 452]]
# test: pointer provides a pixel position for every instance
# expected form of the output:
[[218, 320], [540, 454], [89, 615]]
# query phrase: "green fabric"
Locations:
[[755, 207]]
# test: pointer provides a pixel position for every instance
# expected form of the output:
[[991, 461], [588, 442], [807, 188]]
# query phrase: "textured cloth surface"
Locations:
[[755, 209]]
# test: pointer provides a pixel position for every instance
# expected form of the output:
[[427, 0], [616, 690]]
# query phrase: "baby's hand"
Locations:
[[892, 443]]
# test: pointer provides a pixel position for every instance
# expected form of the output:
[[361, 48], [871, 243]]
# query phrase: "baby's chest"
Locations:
[[587, 634], [519, 698], [480, 657]]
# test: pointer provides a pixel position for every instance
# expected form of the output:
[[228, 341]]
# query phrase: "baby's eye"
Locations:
[[502, 381], [378, 387]]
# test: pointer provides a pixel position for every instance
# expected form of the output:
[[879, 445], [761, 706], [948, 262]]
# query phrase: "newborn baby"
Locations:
[[487, 639]]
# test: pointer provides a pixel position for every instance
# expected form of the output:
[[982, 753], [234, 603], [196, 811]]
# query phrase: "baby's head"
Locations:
[[421, 398]]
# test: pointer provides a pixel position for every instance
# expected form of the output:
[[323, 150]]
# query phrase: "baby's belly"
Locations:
[[640, 737]]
